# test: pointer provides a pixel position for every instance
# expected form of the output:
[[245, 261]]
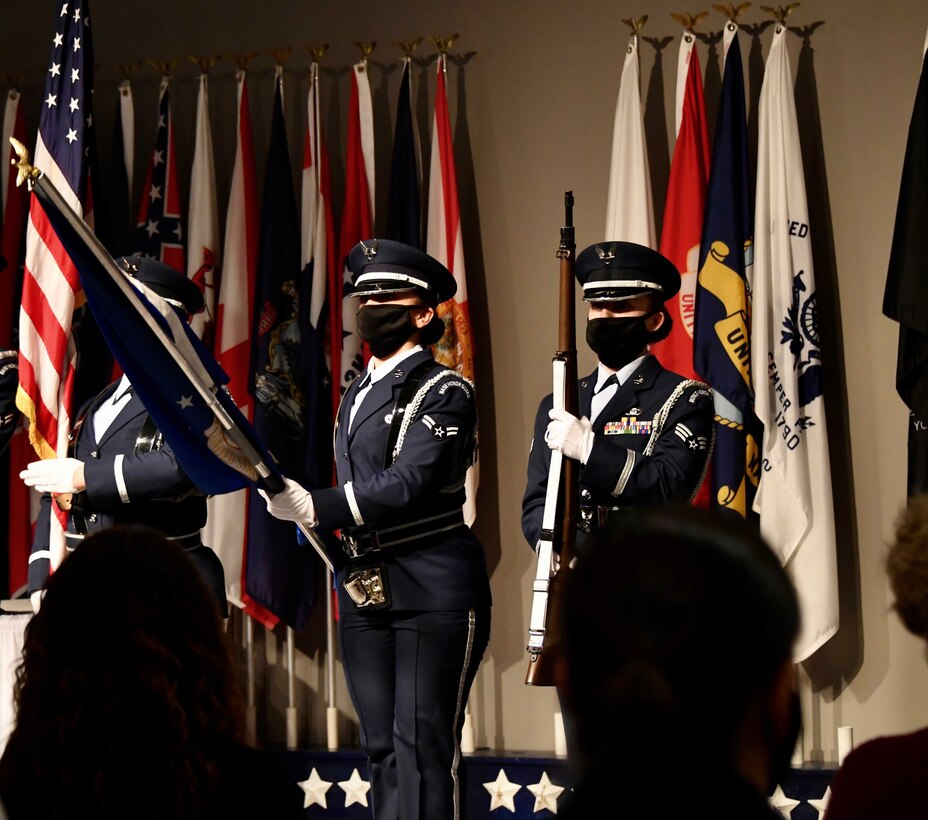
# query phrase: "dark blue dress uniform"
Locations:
[[9, 379], [132, 476], [619, 473], [653, 439], [410, 664]]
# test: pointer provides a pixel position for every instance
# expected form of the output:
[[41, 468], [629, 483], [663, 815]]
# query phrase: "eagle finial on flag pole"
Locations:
[[444, 43], [731, 11], [636, 23], [408, 46], [780, 13], [26, 171], [367, 48], [317, 52], [689, 21]]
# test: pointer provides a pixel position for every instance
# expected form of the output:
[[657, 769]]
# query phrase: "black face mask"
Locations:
[[386, 328], [617, 341]]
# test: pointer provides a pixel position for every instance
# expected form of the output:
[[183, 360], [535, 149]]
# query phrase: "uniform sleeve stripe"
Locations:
[[626, 473], [353, 505], [120, 479], [40, 555]]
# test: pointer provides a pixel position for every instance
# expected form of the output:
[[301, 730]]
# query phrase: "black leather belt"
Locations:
[[186, 542], [364, 541], [595, 516]]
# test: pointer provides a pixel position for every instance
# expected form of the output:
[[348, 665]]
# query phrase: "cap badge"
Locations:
[[370, 251], [606, 255]]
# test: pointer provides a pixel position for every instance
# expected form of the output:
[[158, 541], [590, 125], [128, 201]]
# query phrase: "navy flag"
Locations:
[[721, 336], [279, 574], [404, 219], [906, 297]]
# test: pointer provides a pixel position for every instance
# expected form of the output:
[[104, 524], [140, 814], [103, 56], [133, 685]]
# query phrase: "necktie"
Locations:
[[613, 379]]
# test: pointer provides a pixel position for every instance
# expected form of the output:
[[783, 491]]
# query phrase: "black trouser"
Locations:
[[409, 675]]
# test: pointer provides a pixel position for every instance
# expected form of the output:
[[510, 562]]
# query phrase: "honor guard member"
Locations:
[[646, 434], [413, 591], [119, 468], [9, 380]]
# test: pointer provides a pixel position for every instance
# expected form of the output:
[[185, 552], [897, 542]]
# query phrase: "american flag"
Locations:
[[51, 287], [159, 231]]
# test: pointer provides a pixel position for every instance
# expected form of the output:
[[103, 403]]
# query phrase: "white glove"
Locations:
[[55, 475], [571, 436], [292, 503]]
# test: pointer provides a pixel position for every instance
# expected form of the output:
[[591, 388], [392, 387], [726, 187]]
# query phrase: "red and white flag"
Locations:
[[683, 213], [226, 528], [318, 255], [203, 257], [51, 286], [443, 242], [357, 218], [22, 505], [629, 208]]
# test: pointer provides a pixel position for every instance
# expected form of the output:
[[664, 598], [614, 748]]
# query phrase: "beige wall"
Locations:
[[532, 90]]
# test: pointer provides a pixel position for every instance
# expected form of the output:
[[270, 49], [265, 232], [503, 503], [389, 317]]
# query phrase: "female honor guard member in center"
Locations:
[[646, 434], [120, 470], [413, 591]]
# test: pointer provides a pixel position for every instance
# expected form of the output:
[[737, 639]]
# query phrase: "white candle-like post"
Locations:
[[845, 742]]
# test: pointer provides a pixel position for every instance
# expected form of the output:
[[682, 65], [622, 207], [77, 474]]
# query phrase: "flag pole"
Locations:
[[251, 720], [331, 712], [39, 185], [291, 692]]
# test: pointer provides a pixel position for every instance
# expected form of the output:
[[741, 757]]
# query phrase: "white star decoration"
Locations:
[[782, 803], [501, 792], [185, 402], [822, 803], [64, 10], [59, 39], [75, 74], [158, 158], [72, 135], [314, 788], [74, 104], [77, 43], [154, 193], [151, 227], [355, 789], [55, 70], [52, 100], [546, 794]]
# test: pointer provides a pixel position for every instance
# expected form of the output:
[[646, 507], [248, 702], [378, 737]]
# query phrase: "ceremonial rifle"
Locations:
[[555, 548]]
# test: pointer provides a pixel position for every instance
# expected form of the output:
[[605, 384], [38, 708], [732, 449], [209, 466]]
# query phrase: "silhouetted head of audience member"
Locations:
[[907, 566], [126, 688], [677, 628]]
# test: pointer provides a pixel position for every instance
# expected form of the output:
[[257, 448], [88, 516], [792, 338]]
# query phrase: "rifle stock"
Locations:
[[559, 523]]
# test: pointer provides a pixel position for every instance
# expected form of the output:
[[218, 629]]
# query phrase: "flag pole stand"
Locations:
[[251, 723], [331, 712], [467, 734], [292, 732]]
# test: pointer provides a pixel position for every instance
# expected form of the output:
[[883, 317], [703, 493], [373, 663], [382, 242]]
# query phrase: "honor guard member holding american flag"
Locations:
[[119, 469], [646, 434], [413, 591]]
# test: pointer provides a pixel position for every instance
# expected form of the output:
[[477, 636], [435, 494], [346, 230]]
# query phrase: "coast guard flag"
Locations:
[[357, 219], [444, 243], [51, 287], [906, 297], [159, 231], [226, 524], [203, 263], [279, 574], [629, 209], [721, 337], [173, 373], [686, 196], [404, 215], [320, 278], [794, 497]]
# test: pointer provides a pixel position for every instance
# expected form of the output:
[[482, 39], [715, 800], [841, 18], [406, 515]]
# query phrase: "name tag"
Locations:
[[627, 425]]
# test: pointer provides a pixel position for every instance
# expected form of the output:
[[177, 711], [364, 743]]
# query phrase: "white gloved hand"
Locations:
[[569, 435], [55, 475], [292, 503]]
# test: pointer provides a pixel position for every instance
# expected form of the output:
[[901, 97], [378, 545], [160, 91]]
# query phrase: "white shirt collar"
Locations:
[[120, 392], [389, 365], [603, 372]]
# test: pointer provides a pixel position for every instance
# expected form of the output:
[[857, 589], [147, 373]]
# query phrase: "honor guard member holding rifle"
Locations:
[[119, 469], [646, 434], [413, 591]]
